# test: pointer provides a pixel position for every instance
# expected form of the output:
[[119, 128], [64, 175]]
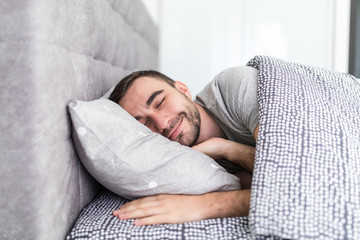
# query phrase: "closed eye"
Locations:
[[160, 103]]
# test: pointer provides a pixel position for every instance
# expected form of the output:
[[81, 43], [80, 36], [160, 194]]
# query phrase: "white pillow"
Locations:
[[132, 161]]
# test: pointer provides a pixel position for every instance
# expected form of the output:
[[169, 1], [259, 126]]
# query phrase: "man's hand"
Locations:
[[168, 208], [220, 148]]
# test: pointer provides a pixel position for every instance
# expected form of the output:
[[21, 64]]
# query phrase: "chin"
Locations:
[[189, 142]]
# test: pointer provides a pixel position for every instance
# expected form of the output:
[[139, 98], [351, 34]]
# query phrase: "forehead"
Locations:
[[146, 84], [139, 92]]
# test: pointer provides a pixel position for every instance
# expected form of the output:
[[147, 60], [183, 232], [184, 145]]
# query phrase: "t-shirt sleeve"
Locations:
[[238, 87]]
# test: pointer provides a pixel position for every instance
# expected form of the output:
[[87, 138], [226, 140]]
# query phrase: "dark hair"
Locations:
[[125, 83]]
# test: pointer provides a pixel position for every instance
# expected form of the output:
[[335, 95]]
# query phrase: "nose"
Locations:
[[161, 121]]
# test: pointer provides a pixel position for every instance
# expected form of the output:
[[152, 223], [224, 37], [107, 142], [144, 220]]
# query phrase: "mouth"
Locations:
[[175, 132]]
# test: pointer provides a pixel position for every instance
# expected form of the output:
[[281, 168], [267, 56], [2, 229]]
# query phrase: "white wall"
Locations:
[[153, 7], [199, 38]]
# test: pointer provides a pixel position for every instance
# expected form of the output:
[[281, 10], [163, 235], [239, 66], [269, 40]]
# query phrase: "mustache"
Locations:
[[173, 124]]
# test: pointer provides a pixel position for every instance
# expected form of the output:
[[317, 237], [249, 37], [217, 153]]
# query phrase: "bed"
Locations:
[[306, 176], [61, 57]]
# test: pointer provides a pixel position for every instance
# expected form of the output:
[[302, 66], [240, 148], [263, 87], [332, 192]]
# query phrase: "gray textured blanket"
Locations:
[[306, 180]]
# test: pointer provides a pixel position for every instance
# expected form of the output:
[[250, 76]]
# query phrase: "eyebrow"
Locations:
[[150, 100], [153, 96]]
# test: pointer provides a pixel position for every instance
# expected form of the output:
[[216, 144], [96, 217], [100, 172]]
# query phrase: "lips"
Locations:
[[175, 132]]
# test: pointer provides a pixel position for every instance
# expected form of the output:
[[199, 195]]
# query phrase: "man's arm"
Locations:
[[220, 148], [168, 208]]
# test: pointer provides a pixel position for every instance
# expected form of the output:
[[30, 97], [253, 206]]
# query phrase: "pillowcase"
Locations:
[[129, 159]]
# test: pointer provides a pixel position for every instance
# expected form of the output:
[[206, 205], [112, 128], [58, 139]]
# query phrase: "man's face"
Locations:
[[164, 109]]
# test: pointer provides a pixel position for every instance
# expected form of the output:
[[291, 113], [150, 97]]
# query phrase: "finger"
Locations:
[[156, 219], [136, 204], [142, 209], [132, 204], [142, 212]]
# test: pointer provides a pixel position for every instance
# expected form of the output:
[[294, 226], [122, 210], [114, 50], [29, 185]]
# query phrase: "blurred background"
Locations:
[[200, 38]]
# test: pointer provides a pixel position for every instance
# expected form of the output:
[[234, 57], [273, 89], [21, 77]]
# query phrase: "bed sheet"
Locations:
[[97, 222]]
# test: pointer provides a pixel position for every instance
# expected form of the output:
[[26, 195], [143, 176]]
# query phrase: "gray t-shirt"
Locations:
[[231, 100]]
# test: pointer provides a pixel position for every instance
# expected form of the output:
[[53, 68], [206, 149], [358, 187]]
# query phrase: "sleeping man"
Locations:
[[221, 122]]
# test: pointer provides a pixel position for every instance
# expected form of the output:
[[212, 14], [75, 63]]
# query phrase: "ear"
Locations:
[[183, 88]]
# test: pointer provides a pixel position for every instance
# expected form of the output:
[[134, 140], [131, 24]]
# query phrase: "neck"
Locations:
[[208, 128]]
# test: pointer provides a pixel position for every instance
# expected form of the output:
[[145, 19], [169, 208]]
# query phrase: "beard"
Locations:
[[192, 116]]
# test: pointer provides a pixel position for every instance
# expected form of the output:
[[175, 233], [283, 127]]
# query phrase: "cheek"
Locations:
[[174, 106]]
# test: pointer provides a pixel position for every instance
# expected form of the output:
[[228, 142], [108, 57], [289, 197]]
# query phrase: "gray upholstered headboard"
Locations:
[[53, 51]]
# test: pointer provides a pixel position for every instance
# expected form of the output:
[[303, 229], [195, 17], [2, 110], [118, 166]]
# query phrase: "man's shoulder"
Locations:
[[231, 79], [231, 98], [236, 86], [229, 84]]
